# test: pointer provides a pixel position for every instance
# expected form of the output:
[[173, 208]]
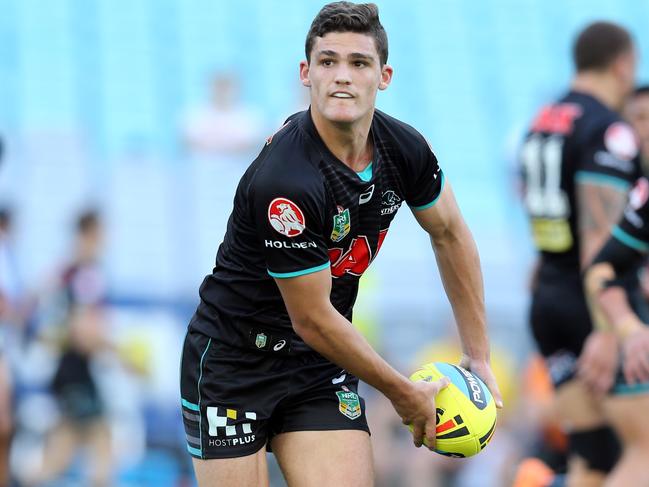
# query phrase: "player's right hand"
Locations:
[[598, 361], [636, 356], [417, 408]]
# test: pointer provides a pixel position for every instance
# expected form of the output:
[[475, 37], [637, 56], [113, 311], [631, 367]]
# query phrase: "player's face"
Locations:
[[344, 75], [637, 112], [627, 71]]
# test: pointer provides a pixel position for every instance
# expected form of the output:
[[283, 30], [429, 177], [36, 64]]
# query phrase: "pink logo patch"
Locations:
[[639, 194], [286, 217], [620, 140]]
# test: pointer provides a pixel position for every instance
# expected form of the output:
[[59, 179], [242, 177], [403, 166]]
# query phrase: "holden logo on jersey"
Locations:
[[391, 201], [342, 224], [286, 217], [620, 140]]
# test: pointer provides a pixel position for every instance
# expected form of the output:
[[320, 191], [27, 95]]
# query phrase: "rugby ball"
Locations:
[[466, 411]]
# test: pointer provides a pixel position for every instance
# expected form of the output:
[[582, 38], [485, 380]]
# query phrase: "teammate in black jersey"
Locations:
[[624, 251], [271, 358], [579, 160], [636, 111]]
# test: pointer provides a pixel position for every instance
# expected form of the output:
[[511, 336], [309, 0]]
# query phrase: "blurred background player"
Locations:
[[626, 249], [82, 338], [224, 126], [9, 290], [636, 111], [578, 161]]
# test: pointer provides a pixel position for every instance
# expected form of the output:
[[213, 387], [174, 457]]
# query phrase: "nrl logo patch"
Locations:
[[261, 340], [348, 404], [342, 225]]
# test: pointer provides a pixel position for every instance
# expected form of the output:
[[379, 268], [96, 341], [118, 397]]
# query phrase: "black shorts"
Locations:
[[560, 321], [235, 400]]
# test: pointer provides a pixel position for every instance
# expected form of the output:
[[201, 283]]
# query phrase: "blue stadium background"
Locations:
[[93, 92]]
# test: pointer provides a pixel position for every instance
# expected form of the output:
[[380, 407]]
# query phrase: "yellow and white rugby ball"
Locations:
[[466, 411]]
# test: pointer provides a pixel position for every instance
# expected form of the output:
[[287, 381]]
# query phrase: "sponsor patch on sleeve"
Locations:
[[286, 217], [621, 141], [639, 194]]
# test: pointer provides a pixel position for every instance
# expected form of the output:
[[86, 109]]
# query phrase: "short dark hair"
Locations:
[[5, 217], [599, 44], [641, 90], [362, 18], [87, 221]]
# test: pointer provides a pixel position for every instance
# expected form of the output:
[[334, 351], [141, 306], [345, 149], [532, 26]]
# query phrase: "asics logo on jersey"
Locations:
[[279, 345], [286, 217]]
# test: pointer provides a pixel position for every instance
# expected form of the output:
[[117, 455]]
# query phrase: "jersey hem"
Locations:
[[432, 203], [602, 179], [303, 272], [630, 389], [629, 241]]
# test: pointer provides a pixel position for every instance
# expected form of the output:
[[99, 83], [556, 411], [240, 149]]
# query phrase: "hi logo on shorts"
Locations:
[[225, 425]]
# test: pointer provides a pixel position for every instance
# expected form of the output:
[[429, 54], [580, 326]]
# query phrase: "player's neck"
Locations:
[[348, 142], [601, 86]]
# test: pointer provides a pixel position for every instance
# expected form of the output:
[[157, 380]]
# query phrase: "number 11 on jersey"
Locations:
[[545, 201]]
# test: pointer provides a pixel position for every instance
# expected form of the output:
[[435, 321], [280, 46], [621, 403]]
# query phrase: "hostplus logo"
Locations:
[[227, 428]]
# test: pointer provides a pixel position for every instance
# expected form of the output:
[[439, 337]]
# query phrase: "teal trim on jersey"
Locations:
[[602, 179], [425, 207], [366, 174], [200, 376], [629, 241], [190, 405], [194, 451], [311, 270], [630, 389]]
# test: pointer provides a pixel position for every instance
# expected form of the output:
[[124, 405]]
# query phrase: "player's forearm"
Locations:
[[334, 337], [617, 311], [594, 281], [459, 267]]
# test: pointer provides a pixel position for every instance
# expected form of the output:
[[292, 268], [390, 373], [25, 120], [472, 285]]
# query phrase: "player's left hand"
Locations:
[[482, 369], [636, 356], [598, 361]]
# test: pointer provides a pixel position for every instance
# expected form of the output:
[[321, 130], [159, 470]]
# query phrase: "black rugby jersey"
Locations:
[[576, 139], [633, 228], [298, 209]]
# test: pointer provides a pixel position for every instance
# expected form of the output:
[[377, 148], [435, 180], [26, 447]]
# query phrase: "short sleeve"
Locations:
[[611, 157], [425, 178], [633, 230], [289, 219]]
